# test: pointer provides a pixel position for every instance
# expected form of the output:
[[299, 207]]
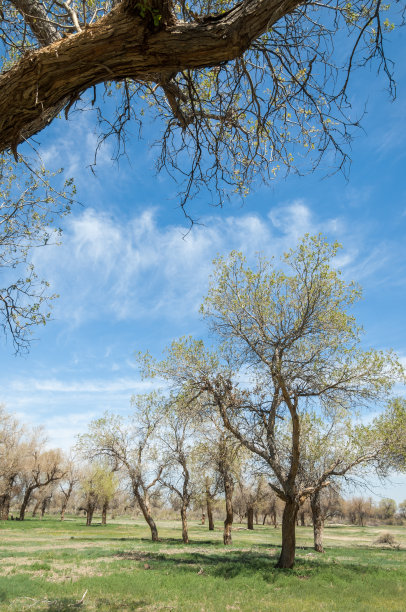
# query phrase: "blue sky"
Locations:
[[129, 279]]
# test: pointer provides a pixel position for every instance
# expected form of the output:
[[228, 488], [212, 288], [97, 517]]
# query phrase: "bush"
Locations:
[[386, 538]]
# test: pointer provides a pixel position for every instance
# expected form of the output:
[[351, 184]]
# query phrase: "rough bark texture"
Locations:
[[287, 556], [147, 516], [118, 46], [318, 521]]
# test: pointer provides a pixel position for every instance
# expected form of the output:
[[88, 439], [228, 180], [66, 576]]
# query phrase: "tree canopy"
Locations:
[[240, 88]]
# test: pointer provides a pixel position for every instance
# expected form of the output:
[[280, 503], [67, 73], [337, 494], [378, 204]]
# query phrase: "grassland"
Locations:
[[48, 565]]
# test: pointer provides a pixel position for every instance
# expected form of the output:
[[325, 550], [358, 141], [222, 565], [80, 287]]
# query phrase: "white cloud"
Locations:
[[128, 270]]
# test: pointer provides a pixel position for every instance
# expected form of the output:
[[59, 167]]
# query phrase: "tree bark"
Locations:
[[89, 514], [228, 491], [25, 502], [5, 499], [104, 513], [146, 514], [210, 514], [122, 45], [250, 518], [318, 521], [183, 515], [287, 556]]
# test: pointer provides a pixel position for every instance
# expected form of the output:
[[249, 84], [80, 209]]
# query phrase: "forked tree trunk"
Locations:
[[183, 516], [250, 518], [66, 500], [287, 556], [89, 514], [318, 521], [228, 491], [104, 512]]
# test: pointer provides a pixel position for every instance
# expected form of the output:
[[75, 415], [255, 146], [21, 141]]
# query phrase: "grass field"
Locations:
[[48, 565]]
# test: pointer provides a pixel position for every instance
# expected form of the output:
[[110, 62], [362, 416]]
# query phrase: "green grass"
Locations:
[[48, 565]]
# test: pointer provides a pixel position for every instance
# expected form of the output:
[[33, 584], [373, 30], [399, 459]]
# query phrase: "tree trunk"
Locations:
[[89, 514], [66, 497], [256, 518], [228, 491], [5, 501], [147, 514], [104, 512], [287, 556], [37, 505], [44, 505], [210, 514], [250, 517], [185, 535], [25, 502], [203, 518], [302, 519], [264, 519], [318, 521]]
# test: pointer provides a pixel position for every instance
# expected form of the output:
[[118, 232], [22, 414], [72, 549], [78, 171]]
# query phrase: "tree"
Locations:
[[99, 485], [41, 468], [11, 458], [177, 443], [289, 331], [254, 84], [387, 508], [29, 208], [130, 445], [68, 484]]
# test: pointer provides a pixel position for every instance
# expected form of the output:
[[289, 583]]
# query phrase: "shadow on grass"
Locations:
[[68, 604], [245, 563]]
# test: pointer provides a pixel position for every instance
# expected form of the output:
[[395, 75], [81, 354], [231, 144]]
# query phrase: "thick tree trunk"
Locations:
[[250, 517], [25, 503], [287, 556], [5, 499], [228, 491], [122, 45], [183, 516], [318, 521]]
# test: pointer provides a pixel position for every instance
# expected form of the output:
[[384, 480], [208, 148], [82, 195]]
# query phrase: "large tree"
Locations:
[[241, 87], [289, 348]]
